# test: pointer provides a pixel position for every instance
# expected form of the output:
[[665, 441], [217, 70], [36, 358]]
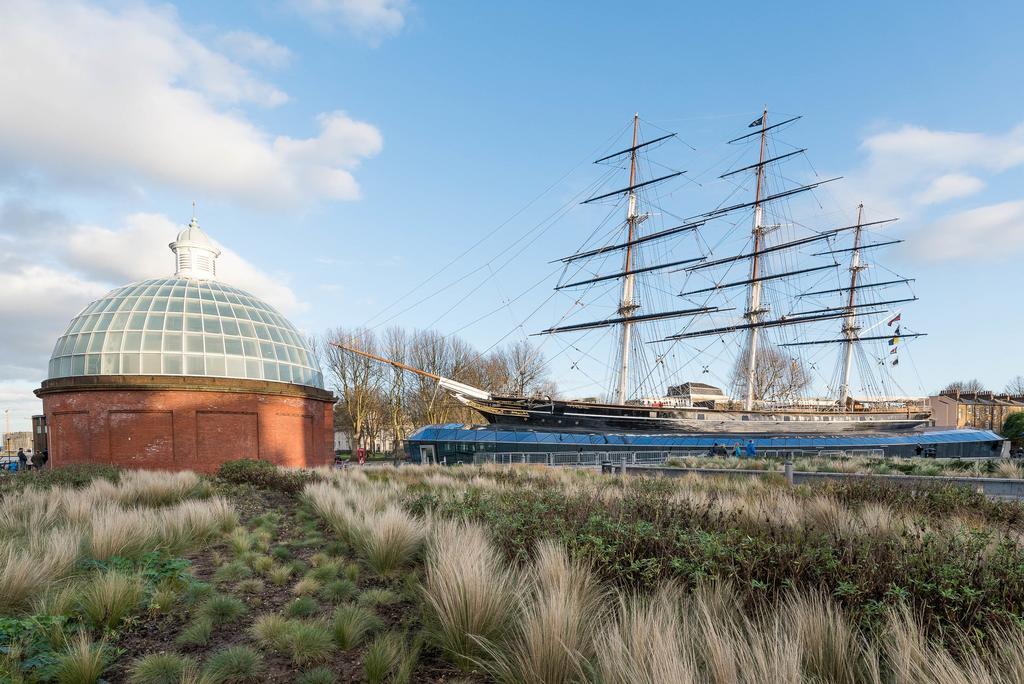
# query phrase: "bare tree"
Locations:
[[396, 348], [1016, 386], [777, 378], [428, 351], [356, 378], [524, 368], [965, 386], [376, 399]]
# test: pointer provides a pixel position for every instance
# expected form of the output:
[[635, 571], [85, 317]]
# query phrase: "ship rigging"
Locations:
[[765, 312]]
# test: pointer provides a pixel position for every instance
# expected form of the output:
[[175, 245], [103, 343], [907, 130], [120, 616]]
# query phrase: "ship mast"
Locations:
[[754, 310], [850, 328], [628, 305]]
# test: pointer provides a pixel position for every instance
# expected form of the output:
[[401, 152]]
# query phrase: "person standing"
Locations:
[[44, 456], [22, 459], [737, 451], [751, 450]]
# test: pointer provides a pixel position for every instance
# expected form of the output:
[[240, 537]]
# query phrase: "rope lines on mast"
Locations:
[[540, 228], [490, 234]]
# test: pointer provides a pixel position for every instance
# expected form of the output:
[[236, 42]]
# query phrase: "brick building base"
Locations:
[[185, 423]]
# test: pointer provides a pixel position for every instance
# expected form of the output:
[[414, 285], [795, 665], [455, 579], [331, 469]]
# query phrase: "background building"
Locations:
[[17, 440], [699, 394], [983, 410], [376, 444], [39, 435], [185, 372]]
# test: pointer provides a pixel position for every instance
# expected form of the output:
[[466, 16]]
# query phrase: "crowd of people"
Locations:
[[738, 450], [27, 460]]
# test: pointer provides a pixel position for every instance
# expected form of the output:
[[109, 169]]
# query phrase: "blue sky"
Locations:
[[343, 150]]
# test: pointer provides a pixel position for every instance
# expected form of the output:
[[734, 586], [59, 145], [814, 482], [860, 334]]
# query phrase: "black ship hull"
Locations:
[[564, 415]]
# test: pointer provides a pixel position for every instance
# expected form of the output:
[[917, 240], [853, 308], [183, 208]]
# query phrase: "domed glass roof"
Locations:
[[184, 326]]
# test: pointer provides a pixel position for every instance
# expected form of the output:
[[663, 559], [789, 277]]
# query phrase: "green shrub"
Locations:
[[318, 675], [280, 552], [197, 633], [71, 476], [160, 668], [336, 548], [384, 658], [325, 572], [308, 642], [221, 608], [234, 665], [351, 623], [301, 607], [265, 475], [372, 598], [268, 521], [1013, 428], [338, 590], [410, 587], [234, 571], [196, 592]]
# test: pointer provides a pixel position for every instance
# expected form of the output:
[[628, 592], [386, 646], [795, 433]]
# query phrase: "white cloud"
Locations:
[[131, 97], [101, 253], [914, 146], [368, 18], [255, 49], [948, 187], [17, 396], [343, 142], [913, 172], [38, 303], [992, 231], [53, 268]]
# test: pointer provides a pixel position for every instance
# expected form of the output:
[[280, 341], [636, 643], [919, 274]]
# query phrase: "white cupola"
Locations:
[[195, 255]]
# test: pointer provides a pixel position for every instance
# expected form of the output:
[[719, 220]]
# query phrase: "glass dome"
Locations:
[[184, 326]]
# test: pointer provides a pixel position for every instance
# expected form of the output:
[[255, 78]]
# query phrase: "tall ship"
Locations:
[[747, 285]]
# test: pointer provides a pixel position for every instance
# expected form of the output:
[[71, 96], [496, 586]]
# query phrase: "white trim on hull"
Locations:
[[752, 427]]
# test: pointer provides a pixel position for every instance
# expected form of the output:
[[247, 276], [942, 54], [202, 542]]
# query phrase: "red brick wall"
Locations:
[[69, 435], [138, 438], [227, 436], [187, 429]]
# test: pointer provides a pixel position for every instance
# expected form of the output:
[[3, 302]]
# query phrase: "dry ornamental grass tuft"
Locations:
[[513, 575], [82, 662], [471, 595], [109, 598]]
